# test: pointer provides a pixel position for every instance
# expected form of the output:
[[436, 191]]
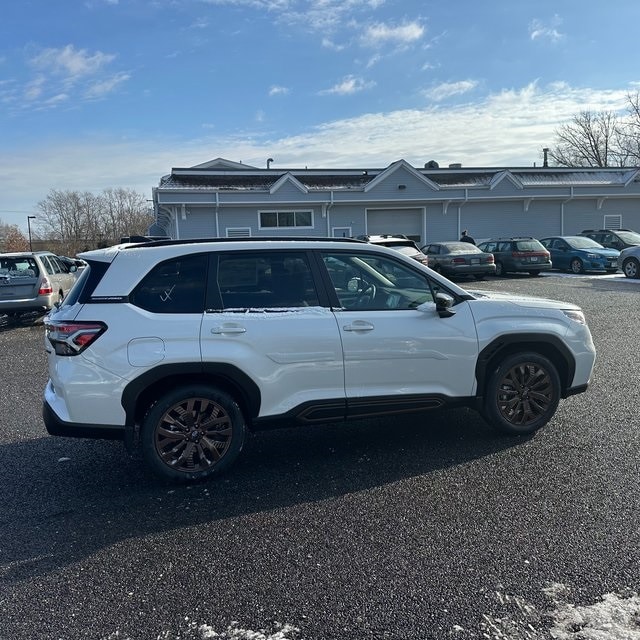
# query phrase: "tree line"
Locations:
[[69, 222]]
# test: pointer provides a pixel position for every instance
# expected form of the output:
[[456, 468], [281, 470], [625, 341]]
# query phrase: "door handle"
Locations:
[[358, 325], [223, 329]]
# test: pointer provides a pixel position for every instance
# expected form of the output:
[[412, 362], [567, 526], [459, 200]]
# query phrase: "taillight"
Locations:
[[72, 338], [45, 288], [491, 259], [458, 261]]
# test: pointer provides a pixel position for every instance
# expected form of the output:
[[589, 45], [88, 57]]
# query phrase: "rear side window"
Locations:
[[174, 286], [269, 279]]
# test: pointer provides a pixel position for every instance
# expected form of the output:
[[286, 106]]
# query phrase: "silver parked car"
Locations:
[[454, 259], [33, 281]]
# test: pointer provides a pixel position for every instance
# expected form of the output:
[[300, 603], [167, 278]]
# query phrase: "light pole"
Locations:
[[29, 219]]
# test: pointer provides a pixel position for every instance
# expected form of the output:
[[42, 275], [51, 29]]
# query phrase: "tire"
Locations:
[[192, 433], [576, 266], [522, 394], [631, 268], [499, 269]]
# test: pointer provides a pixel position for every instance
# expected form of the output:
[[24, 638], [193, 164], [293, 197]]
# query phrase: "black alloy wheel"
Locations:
[[522, 394], [192, 433]]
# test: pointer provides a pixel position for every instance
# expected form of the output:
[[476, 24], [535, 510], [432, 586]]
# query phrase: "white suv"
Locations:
[[180, 347]]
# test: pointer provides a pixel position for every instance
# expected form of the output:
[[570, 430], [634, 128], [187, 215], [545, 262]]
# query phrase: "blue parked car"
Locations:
[[579, 254]]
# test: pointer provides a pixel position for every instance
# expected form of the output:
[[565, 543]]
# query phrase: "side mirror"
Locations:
[[444, 302]]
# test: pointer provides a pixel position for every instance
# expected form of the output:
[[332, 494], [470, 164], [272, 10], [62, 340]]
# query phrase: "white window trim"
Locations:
[[294, 211], [336, 232]]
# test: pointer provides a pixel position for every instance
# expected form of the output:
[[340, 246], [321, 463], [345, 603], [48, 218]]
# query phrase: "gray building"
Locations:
[[221, 198]]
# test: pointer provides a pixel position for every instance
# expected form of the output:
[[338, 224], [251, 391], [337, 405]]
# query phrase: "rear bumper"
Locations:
[[57, 427]]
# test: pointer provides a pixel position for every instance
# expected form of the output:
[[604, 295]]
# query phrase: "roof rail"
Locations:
[[166, 243]]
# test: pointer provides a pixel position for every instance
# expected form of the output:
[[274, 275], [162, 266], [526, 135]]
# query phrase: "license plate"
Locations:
[[614, 263], [475, 260], [534, 258]]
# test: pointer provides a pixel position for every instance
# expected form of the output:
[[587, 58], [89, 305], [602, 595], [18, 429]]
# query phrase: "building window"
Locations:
[[286, 219]]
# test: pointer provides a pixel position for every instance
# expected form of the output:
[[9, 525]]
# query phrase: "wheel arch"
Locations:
[[548, 346], [141, 393]]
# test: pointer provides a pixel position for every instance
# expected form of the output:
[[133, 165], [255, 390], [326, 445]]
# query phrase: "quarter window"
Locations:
[[174, 286], [286, 219]]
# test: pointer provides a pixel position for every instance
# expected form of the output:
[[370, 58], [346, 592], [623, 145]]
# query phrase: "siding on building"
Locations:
[[220, 197]]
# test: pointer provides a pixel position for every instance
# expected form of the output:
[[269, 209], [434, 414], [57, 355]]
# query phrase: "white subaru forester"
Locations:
[[180, 347]]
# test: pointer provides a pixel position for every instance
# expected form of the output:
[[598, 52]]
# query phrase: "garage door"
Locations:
[[405, 221]]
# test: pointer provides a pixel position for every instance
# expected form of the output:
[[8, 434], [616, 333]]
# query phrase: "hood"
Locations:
[[522, 300]]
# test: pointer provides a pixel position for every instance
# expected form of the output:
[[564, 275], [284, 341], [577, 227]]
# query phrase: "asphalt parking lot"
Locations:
[[421, 527]]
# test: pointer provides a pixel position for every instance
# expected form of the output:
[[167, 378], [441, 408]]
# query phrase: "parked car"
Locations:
[[454, 259], [182, 347], [33, 281], [613, 238], [518, 254], [580, 253], [400, 243], [629, 261]]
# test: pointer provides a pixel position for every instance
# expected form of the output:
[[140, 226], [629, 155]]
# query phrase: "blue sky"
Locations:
[[114, 93]]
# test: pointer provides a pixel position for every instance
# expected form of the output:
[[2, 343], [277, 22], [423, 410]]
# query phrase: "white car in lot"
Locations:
[[181, 347], [629, 262]]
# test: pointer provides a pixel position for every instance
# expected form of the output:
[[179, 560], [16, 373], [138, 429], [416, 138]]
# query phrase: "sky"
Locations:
[[100, 94]]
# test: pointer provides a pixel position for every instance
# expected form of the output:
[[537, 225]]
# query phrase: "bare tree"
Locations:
[[78, 221], [630, 132], [589, 140], [12, 239]]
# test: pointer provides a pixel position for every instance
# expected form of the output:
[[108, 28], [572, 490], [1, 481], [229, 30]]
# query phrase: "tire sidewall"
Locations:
[[175, 396], [491, 411]]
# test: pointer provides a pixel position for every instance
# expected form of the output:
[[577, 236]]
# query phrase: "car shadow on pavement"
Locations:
[[66, 499]]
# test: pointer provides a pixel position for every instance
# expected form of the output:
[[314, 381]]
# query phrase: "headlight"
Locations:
[[575, 315], [592, 256]]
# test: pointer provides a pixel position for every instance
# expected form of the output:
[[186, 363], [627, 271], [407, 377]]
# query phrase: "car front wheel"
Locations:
[[576, 266], [631, 268], [499, 269], [522, 394], [192, 433]]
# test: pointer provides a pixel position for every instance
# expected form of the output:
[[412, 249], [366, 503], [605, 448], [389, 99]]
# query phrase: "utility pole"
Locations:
[[29, 219]]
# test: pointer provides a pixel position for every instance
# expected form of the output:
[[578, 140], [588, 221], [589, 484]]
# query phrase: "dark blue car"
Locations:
[[579, 254]]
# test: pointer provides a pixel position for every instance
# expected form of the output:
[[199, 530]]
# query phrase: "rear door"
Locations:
[[265, 317]]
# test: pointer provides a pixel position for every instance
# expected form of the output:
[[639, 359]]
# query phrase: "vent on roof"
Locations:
[[432, 164], [455, 165]]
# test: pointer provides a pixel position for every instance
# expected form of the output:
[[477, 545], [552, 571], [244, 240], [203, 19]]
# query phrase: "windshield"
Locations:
[[584, 243], [407, 251], [461, 247], [630, 237]]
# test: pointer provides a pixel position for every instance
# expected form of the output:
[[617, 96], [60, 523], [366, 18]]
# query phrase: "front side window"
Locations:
[[374, 282], [286, 219], [174, 286], [265, 280]]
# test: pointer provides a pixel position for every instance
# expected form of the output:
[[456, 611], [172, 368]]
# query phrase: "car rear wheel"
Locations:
[[576, 266], [522, 394], [631, 268], [193, 432]]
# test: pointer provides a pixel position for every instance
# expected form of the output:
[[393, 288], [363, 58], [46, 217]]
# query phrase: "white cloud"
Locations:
[[70, 62], [349, 85], [380, 34], [448, 89], [276, 90], [106, 86], [538, 30]]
